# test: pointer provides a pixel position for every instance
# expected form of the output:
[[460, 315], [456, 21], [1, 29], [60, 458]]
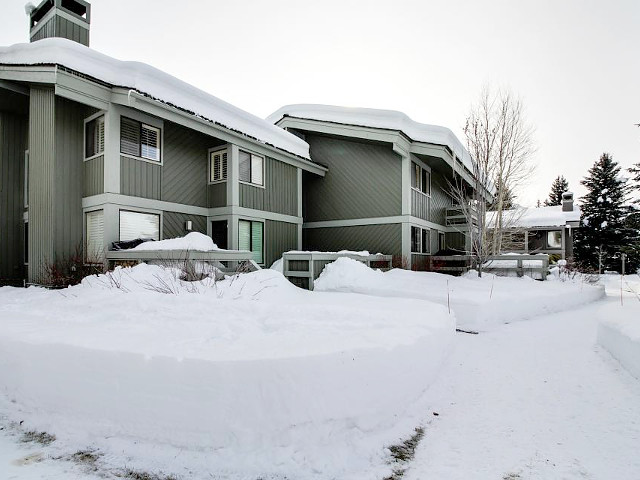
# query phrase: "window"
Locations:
[[94, 137], [420, 179], [94, 237], [134, 225], [251, 168], [218, 166], [426, 244], [420, 240], [554, 239], [139, 139], [250, 237]]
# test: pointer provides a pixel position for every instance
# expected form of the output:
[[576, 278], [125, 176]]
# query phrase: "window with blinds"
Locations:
[[94, 237], [139, 139], [134, 225], [251, 238], [94, 137], [218, 165], [251, 168]]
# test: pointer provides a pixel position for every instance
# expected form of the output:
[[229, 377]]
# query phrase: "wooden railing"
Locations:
[[535, 266], [303, 268]]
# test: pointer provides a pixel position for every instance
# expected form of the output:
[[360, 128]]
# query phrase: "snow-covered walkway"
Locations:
[[533, 400]]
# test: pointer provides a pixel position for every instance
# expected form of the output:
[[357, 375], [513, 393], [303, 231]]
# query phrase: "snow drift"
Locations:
[[477, 302], [250, 376]]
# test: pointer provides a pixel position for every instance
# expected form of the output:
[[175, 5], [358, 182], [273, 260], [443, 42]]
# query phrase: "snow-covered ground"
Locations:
[[478, 303], [253, 378], [245, 377], [534, 400]]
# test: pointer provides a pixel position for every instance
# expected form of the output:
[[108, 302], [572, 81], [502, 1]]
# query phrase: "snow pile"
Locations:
[[619, 328], [191, 241], [154, 83], [247, 377], [386, 119], [478, 303]]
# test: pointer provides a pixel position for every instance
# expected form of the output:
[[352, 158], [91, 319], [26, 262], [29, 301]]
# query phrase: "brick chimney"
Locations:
[[567, 202]]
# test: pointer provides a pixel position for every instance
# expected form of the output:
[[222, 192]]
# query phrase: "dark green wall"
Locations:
[[364, 180], [139, 178], [386, 239], [13, 143], [440, 200], [280, 192], [279, 237], [94, 176], [173, 224]]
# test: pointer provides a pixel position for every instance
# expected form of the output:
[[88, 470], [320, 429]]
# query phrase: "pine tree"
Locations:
[[603, 232], [558, 187]]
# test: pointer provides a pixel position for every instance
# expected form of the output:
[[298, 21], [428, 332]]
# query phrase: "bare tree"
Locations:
[[500, 142]]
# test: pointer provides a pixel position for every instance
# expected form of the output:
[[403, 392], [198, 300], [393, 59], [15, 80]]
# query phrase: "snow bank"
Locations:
[[386, 119], [477, 302], [249, 376], [152, 82], [191, 241], [619, 327]]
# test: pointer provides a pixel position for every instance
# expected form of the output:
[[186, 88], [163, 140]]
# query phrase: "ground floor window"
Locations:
[[420, 240], [134, 225], [94, 237], [250, 237], [554, 239]]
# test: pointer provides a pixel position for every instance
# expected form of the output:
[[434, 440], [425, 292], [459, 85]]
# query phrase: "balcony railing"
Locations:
[[456, 216]]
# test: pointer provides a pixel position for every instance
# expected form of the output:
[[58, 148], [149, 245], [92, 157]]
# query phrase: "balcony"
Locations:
[[456, 216]]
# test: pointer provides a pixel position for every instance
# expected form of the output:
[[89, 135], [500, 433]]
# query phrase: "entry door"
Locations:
[[219, 233]]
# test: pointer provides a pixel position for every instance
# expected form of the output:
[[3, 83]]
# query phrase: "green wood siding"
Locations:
[[217, 195], [279, 237], [185, 165], [420, 205], [69, 175], [440, 200], [139, 178], [58, 26], [13, 143], [56, 179], [41, 180], [364, 180], [280, 192], [94, 176], [173, 224], [386, 239]]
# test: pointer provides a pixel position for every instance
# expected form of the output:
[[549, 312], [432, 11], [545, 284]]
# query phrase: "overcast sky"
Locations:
[[574, 63]]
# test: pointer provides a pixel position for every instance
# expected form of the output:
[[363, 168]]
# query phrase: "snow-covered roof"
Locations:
[[154, 83], [537, 217], [375, 118]]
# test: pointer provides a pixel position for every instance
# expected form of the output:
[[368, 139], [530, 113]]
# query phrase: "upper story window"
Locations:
[[218, 165], [251, 168], [139, 139], [94, 137], [420, 179], [554, 239]]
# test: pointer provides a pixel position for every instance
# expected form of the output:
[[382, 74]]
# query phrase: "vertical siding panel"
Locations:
[[13, 143], [279, 194], [139, 178], [279, 237]]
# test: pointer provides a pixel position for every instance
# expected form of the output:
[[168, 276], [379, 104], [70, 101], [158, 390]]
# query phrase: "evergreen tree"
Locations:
[[635, 171], [558, 187], [603, 231]]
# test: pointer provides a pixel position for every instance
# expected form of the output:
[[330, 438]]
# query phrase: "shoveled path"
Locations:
[[533, 400]]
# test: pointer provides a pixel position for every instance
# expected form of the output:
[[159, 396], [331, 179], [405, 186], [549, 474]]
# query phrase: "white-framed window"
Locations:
[[251, 238], [420, 240], [94, 137], [251, 168], [218, 165], [134, 225], [139, 139], [554, 239], [94, 237], [420, 179]]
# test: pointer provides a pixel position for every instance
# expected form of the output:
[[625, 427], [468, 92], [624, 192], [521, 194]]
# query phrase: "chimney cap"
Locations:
[[567, 196]]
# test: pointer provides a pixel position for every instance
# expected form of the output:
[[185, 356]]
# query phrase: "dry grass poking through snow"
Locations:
[[403, 453]]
